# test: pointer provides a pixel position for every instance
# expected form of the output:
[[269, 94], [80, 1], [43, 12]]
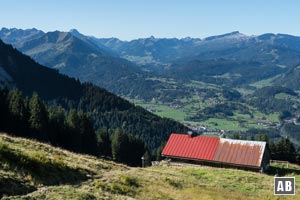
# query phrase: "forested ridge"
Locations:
[[66, 100]]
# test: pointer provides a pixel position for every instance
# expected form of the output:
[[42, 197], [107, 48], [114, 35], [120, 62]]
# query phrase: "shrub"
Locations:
[[118, 188], [125, 185], [174, 183], [3, 147], [129, 181]]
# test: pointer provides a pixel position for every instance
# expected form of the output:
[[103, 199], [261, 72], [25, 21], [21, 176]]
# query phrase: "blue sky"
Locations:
[[129, 19]]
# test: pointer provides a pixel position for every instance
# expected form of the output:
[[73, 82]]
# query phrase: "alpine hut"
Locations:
[[214, 151]]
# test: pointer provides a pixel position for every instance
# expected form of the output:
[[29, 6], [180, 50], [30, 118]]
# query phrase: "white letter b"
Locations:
[[288, 186]]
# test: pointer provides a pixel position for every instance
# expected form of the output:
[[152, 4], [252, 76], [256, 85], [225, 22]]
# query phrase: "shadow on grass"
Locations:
[[12, 186], [37, 168], [282, 170]]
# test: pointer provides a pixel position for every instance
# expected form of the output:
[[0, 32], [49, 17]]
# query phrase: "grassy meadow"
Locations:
[[32, 170]]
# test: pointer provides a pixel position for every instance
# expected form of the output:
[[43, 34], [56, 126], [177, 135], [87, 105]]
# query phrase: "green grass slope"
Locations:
[[32, 170]]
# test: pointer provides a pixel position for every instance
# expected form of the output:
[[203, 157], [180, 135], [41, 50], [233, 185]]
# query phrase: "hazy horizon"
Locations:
[[134, 19], [146, 36]]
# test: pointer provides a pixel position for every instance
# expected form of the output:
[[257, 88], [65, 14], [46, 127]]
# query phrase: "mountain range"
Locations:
[[136, 68], [100, 59], [221, 77]]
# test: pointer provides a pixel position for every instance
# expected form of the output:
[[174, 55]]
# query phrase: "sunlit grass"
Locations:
[[108, 180], [234, 123]]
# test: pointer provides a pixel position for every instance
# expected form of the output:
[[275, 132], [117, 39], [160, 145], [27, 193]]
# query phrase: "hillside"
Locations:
[[84, 60], [108, 110], [224, 72], [33, 170], [268, 49], [289, 79], [81, 58]]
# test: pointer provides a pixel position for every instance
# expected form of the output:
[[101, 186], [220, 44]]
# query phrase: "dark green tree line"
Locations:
[[283, 150], [72, 130], [127, 148], [32, 118]]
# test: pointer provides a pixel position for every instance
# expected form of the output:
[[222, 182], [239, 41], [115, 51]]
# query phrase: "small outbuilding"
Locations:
[[215, 151]]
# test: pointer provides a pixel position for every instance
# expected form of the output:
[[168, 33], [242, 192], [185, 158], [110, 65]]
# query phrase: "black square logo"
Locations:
[[284, 185]]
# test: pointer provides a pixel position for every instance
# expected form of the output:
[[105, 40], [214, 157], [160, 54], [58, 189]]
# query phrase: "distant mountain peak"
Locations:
[[4, 29], [20, 30], [14, 35], [151, 38], [57, 36], [188, 39], [75, 32], [234, 34]]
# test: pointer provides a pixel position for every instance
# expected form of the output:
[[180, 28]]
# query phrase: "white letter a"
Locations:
[[280, 186]]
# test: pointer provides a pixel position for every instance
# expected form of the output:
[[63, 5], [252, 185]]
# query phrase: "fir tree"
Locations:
[[38, 117], [104, 142], [18, 111], [147, 158], [87, 134], [119, 145], [4, 109], [57, 127]]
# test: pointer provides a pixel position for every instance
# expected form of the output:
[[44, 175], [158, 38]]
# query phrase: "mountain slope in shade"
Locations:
[[224, 71], [29, 76], [84, 60], [48, 49], [108, 110], [94, 40], [289, 79]]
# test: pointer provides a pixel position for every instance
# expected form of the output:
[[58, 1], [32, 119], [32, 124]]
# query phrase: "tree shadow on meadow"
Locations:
[[36, 169]]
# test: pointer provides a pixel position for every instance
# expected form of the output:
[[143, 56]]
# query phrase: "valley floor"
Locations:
[[38, 171], [237, 122]]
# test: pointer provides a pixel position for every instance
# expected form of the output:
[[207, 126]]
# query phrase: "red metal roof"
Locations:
[[200, 147], [240, 152], [237, 152]]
